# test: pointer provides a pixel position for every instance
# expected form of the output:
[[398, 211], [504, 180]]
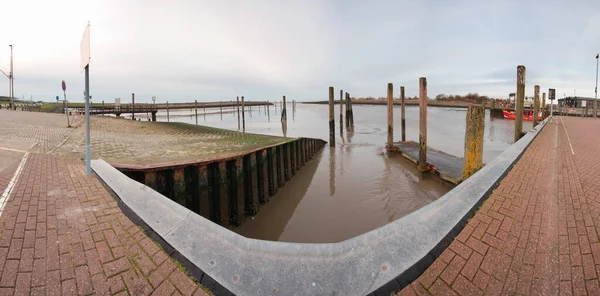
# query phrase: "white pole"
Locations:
[[88, 153]]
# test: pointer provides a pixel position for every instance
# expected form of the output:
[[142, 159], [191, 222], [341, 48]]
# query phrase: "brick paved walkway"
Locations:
[[538, 231], [62, 234]]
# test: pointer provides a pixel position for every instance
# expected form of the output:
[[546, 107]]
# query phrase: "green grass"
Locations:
[[57, 107]]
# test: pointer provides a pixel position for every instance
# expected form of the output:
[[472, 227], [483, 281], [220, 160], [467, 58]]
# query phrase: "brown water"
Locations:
[[355, 186]]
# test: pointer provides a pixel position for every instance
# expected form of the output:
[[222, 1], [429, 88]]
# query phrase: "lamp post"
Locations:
[[596, 89], [12, 83]]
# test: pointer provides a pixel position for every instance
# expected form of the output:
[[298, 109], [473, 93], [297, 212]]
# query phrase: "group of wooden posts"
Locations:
[[474, 133], [349, 114]]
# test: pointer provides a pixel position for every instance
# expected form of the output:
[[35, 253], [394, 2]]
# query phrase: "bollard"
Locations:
[[473, 140], [196, 110], [331, 119], [519, 102], [238, 110], [132, 106], [243, 116], [543, 106], [536, 104], [167, 111], [390, 116], [403, 114], [341, 111], [422, 124]]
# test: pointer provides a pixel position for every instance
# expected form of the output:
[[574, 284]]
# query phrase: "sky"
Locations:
[[217, 50]]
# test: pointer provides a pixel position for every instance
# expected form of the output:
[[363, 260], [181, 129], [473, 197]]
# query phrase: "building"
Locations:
[[575, 102]]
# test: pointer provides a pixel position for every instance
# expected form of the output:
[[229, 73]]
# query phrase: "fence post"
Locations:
[[243, 116], [196, 110], [132, 106]]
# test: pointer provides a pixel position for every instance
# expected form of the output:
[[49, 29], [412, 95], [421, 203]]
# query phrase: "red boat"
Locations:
[[526, 116]]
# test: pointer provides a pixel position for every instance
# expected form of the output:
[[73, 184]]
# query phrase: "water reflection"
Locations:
[[364, 187]]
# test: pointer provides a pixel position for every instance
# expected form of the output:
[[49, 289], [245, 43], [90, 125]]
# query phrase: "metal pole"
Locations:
[[596, 89], [88, 154], [12, 83], [67, 108]]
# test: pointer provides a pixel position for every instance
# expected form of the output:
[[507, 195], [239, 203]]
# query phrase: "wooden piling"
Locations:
[[221, 194], [205, 193], [473, 160], [347, 111], [235, 175], [403, 114], [167, 111], [422, 124], [543, 106], [132, 106], [349, 101], [341, 111], [390, 116], [196, 110], [204, 110], [268, 112], [519, 102], [280, 166], [272, 170], [178, 186], [287, 162], [536, 104], [284, 111], [262, 170], [331, 119], [238, 110], [243, 116], [221, 107], [251, 183]]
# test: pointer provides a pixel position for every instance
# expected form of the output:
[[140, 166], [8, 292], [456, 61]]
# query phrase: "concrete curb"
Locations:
[[380, 261]]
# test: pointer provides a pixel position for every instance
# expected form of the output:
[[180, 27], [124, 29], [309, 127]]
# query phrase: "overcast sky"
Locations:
[[216, 50]]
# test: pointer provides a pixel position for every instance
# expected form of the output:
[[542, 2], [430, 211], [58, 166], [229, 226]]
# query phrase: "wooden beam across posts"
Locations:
[[543, 106], [390, 116], [132, 106], [423, 124], [474, 140], [341, 111], [243, 116], [403, 114], [331, 119], [519, 102], [196, 110], [536, 104]]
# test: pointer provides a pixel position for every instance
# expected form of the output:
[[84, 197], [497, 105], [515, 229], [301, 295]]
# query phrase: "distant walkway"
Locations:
[[61, 232], [538, 231]]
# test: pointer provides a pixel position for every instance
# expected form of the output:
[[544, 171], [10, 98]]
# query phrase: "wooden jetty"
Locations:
[[447, 167]]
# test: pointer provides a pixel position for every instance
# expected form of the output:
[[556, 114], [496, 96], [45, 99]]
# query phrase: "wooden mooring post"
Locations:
[[238, 110], [284, 111], [543, 106], [422, 124], [403, 114], [341, 111], [331, 119], [536, 104], [167, 111], [204, 110], [243, 116], [349, 100], [132, 106], [473, 140], [390, 116], [268, 112], [221, 107], [196, 110], [519, 102]]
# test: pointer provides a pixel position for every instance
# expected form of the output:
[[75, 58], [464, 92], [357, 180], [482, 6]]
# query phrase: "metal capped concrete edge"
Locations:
[[356, 266]]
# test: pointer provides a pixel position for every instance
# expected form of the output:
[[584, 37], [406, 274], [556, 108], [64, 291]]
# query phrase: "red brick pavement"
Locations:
[[62, 233], [538, 231]]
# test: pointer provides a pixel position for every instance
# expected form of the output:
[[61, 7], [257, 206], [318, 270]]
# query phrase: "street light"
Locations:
[[12, 84]]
